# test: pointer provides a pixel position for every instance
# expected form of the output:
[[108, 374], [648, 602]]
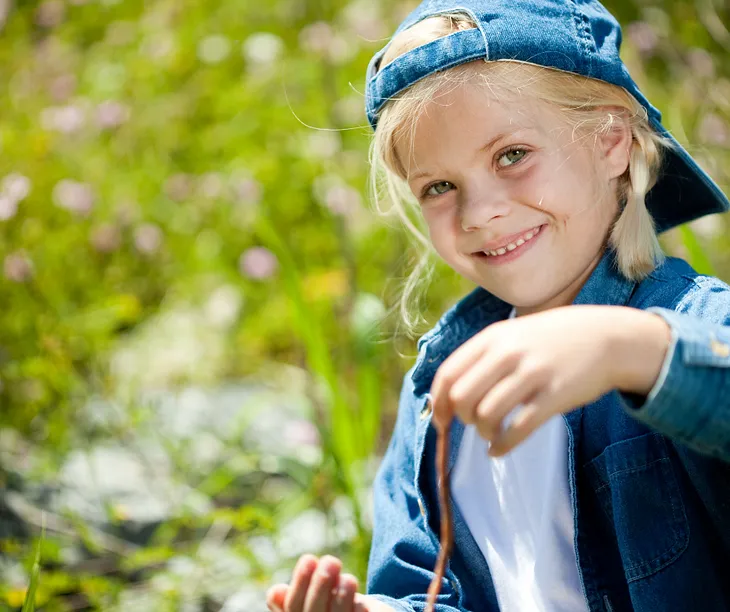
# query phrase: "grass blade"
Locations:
[[35, 575], [698, 259]]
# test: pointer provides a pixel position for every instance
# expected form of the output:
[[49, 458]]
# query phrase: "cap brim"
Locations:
[[684, 191]]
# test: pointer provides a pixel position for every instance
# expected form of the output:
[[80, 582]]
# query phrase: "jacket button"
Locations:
[[720, 349], [427, 409]]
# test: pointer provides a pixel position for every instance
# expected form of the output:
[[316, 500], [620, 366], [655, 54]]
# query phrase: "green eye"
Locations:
[[438, 188], [510, 157]]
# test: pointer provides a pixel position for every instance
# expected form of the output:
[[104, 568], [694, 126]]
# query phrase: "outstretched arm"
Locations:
[[690, 400]]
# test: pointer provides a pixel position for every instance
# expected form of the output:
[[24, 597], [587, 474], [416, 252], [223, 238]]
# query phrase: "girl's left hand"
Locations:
[[550, 363], [318, 586]]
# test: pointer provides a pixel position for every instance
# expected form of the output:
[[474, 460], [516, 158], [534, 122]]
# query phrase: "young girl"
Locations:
[[586, 380]]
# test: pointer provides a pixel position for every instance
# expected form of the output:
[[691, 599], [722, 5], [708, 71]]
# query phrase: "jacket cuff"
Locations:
[[693, 384]]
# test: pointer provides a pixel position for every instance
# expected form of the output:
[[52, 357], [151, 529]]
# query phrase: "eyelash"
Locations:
[[425, 195]]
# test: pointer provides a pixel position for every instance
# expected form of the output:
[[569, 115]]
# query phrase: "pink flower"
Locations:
[[74, 196], [258, 263], [5, 6], [178, 187], [62, 87], [65, 119], [364, 18], [15, 186], [106, 238], [701, 62], [147, 238], [643, 36], [247, 190], [18, 267], [111, 114], [342, 199], [50, 13], [8, 207], [316, 37]]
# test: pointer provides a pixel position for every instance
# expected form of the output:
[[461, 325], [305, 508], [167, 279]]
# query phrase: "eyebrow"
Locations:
[[486, 147]]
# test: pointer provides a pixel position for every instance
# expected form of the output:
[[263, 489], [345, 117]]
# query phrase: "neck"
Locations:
[[567, 295]]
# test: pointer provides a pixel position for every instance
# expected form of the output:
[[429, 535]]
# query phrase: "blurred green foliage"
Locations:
[[152, 138], [183, 202]]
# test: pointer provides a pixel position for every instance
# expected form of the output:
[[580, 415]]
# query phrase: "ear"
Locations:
[[613, 144]]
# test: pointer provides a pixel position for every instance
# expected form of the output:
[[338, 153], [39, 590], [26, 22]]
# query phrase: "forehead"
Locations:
[[474, 112]]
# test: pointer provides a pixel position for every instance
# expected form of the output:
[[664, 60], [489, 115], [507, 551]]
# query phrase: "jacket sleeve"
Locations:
[[404, 548], [690, 401]]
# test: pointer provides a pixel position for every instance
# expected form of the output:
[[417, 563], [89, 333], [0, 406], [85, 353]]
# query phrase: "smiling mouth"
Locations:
[[518, 242]]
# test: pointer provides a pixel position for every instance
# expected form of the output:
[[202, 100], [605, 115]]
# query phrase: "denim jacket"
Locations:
[[649, 476]]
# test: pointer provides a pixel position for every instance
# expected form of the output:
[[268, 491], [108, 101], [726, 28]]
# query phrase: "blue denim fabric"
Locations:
[[649, 476], [578, 36]]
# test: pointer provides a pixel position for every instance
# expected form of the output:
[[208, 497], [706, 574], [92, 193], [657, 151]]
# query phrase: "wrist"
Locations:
[[640, 341]]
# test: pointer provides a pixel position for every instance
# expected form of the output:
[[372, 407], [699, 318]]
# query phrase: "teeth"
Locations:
[[513, 245]]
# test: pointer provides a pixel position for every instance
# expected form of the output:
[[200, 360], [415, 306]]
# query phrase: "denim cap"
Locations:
[[578, 36]]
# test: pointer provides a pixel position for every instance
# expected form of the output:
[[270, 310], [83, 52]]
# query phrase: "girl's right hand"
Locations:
[[318, 586]]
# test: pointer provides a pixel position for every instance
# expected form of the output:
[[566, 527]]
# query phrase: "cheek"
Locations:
[[443, 227], [549, 196], [572, 199]]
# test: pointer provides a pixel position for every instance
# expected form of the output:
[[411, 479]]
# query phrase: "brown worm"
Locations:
[[447, 536]]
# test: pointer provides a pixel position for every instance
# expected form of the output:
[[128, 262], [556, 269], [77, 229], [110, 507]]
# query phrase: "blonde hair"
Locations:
[[582, 101]]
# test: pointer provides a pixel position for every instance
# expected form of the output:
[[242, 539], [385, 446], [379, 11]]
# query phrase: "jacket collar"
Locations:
[[605, 286]]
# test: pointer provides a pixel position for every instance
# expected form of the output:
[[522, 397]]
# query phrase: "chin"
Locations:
[[525, 298]]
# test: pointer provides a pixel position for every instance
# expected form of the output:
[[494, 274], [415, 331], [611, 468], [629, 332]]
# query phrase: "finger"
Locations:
[[528, 419], [449, 372], [301, 578], [323, 581], [276, 596], [454, 367], [502, 399], [344, 596], [467, 392]]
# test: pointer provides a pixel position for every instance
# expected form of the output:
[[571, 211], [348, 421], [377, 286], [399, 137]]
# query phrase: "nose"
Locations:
[[479, 208]]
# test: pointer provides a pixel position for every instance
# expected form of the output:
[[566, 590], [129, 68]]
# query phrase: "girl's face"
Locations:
[[513, 198]]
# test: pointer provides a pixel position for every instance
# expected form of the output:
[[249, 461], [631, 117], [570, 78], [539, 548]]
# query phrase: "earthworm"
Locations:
[[447, 536]]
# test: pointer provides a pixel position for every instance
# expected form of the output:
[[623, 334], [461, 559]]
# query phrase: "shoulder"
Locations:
[[675, 285]]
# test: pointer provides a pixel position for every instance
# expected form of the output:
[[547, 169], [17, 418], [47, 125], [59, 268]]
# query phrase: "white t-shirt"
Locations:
[[518, 509]]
